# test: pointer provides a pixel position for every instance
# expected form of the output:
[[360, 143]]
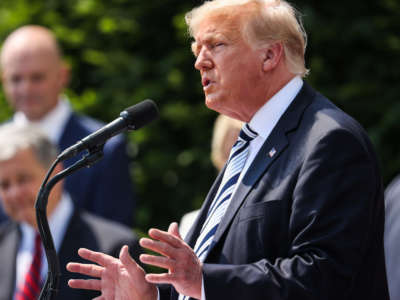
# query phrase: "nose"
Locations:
[[23, 87], [203, 60], [26, 86]]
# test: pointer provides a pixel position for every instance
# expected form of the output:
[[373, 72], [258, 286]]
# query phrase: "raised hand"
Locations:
[[117, 279], [184, 268]]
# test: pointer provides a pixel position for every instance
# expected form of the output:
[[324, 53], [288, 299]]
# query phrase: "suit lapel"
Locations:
[[8, 250], [73, 131], [275, 144], [194, 231]]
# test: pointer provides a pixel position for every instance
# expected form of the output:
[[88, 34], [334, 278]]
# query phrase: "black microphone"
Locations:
[[132, 118]]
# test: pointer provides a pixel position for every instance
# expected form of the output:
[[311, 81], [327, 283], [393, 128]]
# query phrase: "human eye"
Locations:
[[38, 77], [4, 184], [24, 179], [216, 44], [15, 79]]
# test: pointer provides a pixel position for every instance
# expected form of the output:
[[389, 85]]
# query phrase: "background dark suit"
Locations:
[[306, 223], [84, 230], [104, 189]]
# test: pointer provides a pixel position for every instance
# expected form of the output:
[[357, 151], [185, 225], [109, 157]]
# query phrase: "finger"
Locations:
[[174, 230], [86, 284], [86, 269], [160, 278], [158, 261], [127, 260], [159, 247], [165, 237], [97, 257]]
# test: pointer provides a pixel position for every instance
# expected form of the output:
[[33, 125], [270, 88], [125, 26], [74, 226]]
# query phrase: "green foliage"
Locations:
[[124, 51]]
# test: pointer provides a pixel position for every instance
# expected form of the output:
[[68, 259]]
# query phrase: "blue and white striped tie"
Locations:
[[236, 162]]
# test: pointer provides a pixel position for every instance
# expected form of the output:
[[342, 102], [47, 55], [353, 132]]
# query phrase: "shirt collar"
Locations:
[[59, 219], [53, 123], [265, 119], [58, 223]]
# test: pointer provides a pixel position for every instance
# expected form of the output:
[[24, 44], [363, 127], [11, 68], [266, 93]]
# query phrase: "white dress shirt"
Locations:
[[58, 223], [266, 118], [53, 123]]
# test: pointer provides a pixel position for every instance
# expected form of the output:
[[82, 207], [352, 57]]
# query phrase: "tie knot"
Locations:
[[247, 134]]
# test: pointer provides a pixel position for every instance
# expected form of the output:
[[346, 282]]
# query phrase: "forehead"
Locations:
[[215, 25], [21, 53], [28, 59]]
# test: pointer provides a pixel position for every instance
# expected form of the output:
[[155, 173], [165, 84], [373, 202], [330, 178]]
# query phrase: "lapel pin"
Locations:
[[272, 152]]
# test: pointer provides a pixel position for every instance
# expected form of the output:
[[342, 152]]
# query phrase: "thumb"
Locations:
[[126, 258]]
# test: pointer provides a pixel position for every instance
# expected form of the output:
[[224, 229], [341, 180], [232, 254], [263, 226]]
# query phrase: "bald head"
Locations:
[[30, 40], [32, 71]]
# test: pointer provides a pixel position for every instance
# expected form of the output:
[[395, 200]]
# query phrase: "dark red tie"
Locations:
[[30, 289]]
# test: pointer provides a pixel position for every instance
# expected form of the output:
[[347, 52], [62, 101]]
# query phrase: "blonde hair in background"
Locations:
[[260, 22], [225, 133]]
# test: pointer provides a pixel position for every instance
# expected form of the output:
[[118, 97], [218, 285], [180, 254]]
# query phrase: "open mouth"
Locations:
[[206, 82]]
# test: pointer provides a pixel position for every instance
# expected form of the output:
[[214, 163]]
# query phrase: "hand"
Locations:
[[119, 279], [184, 268]]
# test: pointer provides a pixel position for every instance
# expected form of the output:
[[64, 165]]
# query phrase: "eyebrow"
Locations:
[[208, 38]]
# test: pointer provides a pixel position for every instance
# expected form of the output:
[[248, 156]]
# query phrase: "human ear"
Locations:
[[64, 74], [272, 55]]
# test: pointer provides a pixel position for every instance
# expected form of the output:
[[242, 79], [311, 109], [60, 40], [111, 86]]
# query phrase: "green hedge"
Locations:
[[124, 51]]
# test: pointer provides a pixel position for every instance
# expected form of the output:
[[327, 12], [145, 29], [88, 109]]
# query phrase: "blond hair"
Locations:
[[225, 133], [259, 22]]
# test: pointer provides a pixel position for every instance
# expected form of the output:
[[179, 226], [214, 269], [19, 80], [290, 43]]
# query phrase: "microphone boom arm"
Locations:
[[50, 288]]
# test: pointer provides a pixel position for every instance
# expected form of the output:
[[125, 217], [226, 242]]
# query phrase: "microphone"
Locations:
[[132, 118]]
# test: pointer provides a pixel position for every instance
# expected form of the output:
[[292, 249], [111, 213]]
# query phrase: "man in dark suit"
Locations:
[[25, 156], [297, 212], [33, 77]]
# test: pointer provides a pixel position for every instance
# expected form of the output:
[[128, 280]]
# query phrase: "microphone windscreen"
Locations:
[[140, 114]]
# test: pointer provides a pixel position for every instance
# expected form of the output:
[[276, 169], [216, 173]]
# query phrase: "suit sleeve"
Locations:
[[333, 221]]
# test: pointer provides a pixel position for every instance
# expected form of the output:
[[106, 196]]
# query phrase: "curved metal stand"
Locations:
[[50, 288]]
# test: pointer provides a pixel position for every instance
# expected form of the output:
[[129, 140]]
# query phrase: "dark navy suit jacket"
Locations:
[[306, 222], [84, 230], [105, 188]]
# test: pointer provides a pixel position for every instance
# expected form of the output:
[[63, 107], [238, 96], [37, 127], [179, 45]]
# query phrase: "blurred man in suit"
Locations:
[[34, 77], [25, 156], [297, 213]]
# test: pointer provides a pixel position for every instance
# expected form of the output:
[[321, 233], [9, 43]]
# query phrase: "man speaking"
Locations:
[[297, 212]]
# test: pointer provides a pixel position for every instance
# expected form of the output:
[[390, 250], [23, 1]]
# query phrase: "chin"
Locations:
[[213, 104]]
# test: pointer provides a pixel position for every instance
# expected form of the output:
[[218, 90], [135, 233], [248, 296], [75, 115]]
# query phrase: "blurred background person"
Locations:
[[392, 237], [25, 156], [225, 133], [34, 76]]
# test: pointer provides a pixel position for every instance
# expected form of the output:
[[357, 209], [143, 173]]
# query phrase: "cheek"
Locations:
[[22, 199], [11, 92]]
